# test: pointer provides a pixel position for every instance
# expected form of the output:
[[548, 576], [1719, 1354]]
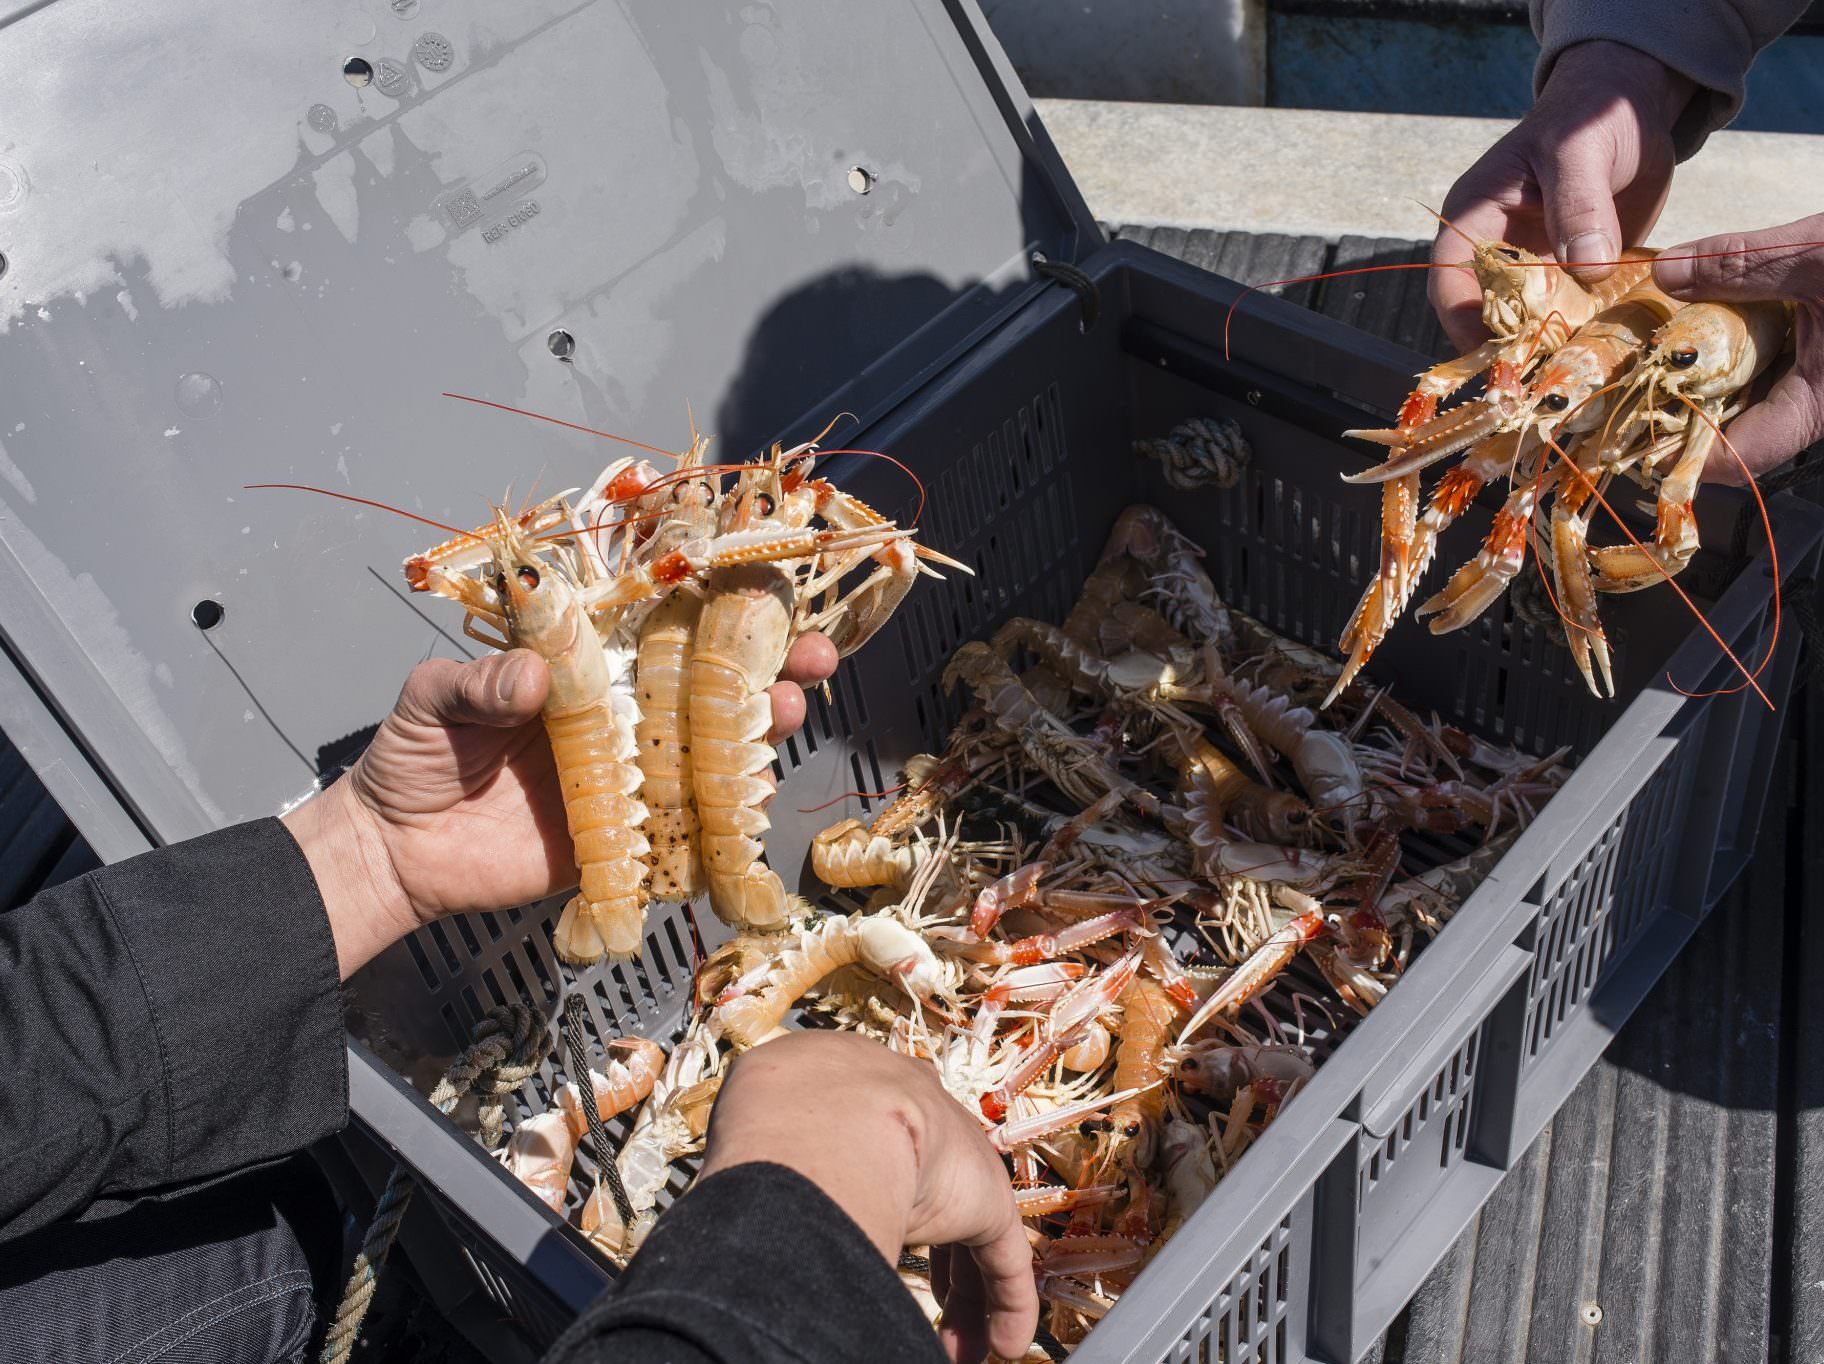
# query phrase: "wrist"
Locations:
[[1600, 69], [365, 902], [861, 1144]]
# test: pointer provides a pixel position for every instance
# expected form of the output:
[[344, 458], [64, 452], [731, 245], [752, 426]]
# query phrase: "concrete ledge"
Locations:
[[1332, 174]]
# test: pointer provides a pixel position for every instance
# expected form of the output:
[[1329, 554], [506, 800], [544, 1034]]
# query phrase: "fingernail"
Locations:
[[507, 679], [1675, 273], [1588, 248]]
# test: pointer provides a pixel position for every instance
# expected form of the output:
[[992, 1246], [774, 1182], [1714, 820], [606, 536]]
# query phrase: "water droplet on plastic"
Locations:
[[199, 395], [561, 344], [358, 72], [861, 179]]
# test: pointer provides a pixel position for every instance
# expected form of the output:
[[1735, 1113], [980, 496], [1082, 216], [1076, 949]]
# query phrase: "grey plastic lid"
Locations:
[[255, 243]]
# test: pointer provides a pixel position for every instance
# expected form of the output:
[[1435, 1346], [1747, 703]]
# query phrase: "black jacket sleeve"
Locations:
[[164, 1021], [754, 1266]]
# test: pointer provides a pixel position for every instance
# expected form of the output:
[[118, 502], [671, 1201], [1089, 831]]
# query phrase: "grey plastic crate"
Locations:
[[268, 271], [1319, 1236]]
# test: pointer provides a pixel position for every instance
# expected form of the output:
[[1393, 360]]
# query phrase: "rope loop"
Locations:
[[1089, 298], [508, 1044]]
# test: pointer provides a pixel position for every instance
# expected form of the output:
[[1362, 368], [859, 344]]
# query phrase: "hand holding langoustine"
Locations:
[[533, 591], [1585, 172], [1783, 264]]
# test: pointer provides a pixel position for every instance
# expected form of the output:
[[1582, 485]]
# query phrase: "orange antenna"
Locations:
[[1585, 402], [866, 795], [559, 421], [901, 465], [1473, 243], [1539, 341], [1773, 551], [366, 502], [1229, 317], [1543, 263]]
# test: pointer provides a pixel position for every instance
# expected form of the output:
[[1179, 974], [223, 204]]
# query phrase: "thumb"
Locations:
[[502, 690], [1011, 1296], [1785, 262], [1580, 211]]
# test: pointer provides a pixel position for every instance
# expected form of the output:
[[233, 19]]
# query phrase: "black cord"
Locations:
[[1807, 468], [576, 1047], [1089, 298], [1804, 600]]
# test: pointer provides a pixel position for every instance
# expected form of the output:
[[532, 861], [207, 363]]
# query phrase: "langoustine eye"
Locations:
[[1684, 357], [528, 577]]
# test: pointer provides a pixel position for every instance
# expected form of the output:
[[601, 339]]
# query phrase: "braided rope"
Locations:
[[508, 1044], [1200, 451]]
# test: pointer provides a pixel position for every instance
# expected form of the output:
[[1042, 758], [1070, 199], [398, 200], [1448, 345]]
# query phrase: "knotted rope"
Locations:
[[508, 1044], [1200, 451]]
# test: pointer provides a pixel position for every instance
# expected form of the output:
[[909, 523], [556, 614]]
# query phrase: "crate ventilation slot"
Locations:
[[1447, 1100], [1246, 1323], [1597, 911]]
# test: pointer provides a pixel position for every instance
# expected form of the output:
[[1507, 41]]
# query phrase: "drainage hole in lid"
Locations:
[[861, 179], [561, 344], [2, 265], [358, 71], [207, 613]]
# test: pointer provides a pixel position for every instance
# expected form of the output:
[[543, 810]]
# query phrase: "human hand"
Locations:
[[1584, 174], [455, 804], [1780, 263], [877, 1133]]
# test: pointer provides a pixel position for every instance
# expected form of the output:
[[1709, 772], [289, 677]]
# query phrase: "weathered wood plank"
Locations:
[[1805, 1340], [1389, 303]]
